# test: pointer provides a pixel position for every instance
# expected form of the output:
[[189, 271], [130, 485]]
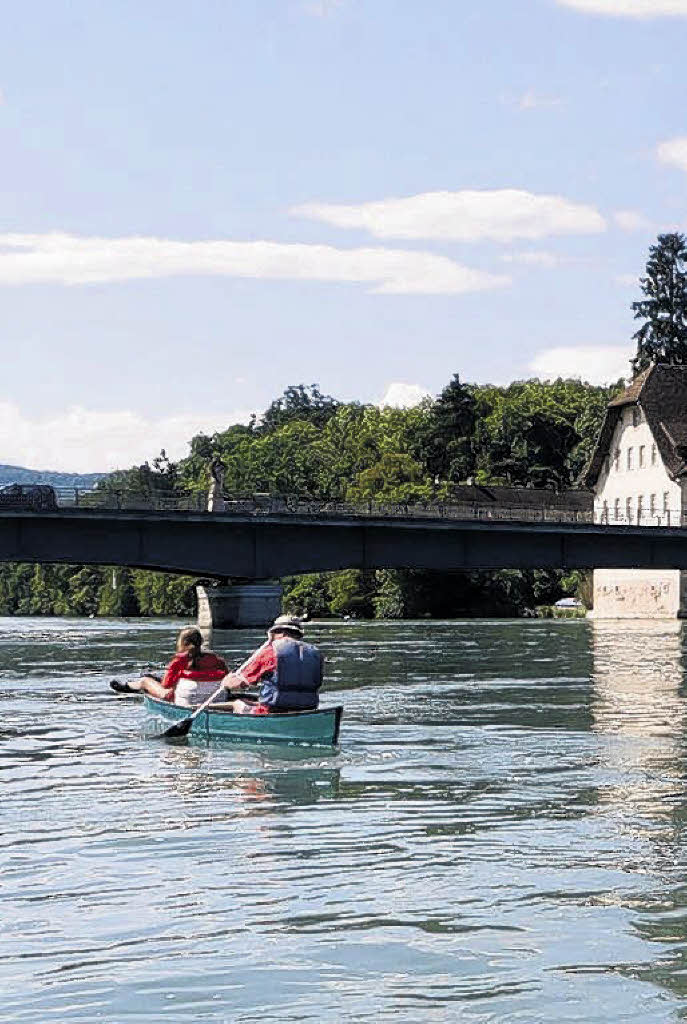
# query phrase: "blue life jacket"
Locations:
[[298, 677]]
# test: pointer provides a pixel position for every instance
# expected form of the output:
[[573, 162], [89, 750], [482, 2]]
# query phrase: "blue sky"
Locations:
[[202, 204]]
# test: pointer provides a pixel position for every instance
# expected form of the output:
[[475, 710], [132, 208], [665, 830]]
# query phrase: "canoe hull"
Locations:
[[316, 728]]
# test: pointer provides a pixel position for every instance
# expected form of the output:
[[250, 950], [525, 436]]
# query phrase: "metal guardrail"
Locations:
[[75, 497], [266, 504]]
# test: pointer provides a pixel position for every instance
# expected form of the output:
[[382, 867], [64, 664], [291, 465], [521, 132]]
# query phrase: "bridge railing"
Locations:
[[265, 504], [75, 497]]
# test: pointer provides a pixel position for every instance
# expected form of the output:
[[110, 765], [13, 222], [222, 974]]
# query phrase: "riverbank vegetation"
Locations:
[[528, 434]]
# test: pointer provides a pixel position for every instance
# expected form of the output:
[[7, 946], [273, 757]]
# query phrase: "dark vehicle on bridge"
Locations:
[[35, 497]]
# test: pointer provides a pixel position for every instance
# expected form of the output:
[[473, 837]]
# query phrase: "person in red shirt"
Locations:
[[288, 669], [190, 665]]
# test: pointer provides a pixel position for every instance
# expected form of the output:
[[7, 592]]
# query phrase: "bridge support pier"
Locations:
[[640, 594], [239, 605]]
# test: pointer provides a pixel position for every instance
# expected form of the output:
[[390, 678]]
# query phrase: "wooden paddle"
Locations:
[[180, 729]]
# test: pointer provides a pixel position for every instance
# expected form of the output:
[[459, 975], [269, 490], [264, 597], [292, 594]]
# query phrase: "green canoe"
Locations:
[[317, 728]]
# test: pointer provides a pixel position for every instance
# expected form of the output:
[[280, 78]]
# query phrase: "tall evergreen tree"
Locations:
[[445, 445], [662, 338]]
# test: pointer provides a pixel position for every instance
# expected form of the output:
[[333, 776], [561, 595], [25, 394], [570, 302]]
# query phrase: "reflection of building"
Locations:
[[637, 703], [639, 475], [640, 718], [637, 677]]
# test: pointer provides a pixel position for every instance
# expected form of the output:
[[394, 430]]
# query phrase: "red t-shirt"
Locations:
[[209, 668], [261, 664]]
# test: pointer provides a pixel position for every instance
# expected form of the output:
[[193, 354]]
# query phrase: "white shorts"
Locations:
[[189, 692]]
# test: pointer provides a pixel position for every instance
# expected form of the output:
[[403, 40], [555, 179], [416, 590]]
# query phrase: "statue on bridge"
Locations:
[[217, 471]]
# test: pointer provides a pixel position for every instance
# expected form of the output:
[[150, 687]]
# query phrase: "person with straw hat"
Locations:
[[288, 669]]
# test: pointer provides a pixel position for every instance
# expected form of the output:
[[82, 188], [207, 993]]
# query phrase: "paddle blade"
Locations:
[[178, 730]]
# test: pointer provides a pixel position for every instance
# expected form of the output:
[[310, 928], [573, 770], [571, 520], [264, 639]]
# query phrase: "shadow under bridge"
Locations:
[[274, 545]]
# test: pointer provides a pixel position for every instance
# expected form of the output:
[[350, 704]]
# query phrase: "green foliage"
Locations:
[[579, 583], [535, 433], [662, 338], [92, 590], [305, 404], [351, 592], [306, 595], [395, 478], [530, 433], [391, 599], [158, 593], [445, 439], [117, 597]]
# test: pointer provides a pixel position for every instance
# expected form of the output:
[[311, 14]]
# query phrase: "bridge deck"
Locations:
[[269, 545]]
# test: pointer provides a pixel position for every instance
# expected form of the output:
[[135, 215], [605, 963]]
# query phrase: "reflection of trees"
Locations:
[[639, 708]]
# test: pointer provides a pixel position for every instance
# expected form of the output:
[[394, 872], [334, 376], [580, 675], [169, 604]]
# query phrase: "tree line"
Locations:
[[528, 434]]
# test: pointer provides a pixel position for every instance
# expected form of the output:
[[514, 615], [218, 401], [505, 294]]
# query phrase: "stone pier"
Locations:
[[640, 594], [239, 605]]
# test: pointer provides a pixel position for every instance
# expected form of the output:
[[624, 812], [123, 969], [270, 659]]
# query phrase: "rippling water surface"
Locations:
[[501, 836]]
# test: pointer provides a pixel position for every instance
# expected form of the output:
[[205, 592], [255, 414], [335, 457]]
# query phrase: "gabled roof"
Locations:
[[634, 388], [661, 393]]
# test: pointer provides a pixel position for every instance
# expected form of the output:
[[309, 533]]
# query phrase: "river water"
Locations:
[[501, 836]]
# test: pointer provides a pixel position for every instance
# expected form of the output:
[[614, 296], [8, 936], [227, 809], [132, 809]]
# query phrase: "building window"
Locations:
[[652, 504], [636, 417], [616, 509], [630, 458], [604, 512], [628, 509], [616, 459], [640, 507], [666, 499], [653, 455], [642, 449]]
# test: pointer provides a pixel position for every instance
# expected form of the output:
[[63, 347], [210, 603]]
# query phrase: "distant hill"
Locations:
[[20, 475]]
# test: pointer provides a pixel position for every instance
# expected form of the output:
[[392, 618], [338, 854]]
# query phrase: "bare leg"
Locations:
[[148, 684]]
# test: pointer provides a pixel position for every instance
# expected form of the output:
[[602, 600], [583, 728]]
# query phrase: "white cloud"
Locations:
[[71, 260], [630, 8], [597, 364], [536, 258], [85, 441], [403, 396], [533, 100], [674, 151], [631, 220], [467, 216]]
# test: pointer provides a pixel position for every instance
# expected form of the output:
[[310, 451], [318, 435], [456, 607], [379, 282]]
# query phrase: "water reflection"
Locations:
[[498, 839], [639, 707], [637, 677], [274, 776]]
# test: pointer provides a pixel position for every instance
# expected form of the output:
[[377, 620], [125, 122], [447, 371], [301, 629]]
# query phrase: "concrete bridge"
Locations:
[[250, 547], [274, 545]]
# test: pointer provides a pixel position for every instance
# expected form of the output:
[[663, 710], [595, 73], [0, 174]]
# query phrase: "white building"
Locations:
[[638, 473]]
